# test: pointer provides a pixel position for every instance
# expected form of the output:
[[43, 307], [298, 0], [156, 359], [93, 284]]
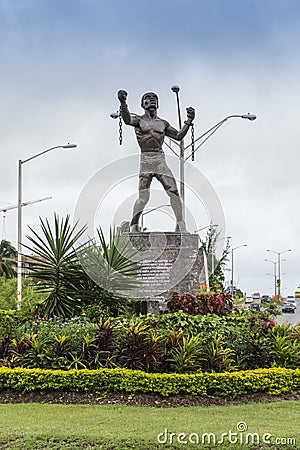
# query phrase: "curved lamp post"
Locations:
[[149, 211], [205, 136], [278, 262], [274, 275], [19, 225], [212, 225]]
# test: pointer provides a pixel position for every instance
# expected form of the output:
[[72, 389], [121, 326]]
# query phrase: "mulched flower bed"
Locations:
[[67, 398]]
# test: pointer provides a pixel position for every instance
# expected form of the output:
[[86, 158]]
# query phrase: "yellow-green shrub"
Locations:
[[230, 384]]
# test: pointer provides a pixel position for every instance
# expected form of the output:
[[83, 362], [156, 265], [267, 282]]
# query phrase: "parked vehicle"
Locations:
[[248, 300], [290, 299], [297, 293], [288, 308], [264, 298]]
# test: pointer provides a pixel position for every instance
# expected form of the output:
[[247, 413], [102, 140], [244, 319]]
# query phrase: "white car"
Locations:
[[291, 299]]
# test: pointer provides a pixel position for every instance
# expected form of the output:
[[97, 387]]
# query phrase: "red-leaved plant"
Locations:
[[218, 303]]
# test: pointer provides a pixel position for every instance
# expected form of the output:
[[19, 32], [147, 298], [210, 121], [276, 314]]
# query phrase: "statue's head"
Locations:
[[149, 100]]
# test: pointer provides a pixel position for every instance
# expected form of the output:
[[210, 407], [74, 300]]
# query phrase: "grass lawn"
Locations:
[[107, 427]]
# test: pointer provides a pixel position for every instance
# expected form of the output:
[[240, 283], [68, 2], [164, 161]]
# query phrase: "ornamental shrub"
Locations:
[[274, 381], [218, 303]]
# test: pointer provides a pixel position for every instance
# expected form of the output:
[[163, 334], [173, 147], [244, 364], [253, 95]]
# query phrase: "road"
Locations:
[[292, 318]]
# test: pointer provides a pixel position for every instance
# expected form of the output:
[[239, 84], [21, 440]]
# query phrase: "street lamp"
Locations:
[[19, 225], [207, 226], [232, 250], [274, 275], [278, 262], [206, 136]]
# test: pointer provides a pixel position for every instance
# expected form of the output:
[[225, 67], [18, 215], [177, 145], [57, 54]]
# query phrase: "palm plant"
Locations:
[[8, 255], [110, 265], [72, 278], [55, 267]]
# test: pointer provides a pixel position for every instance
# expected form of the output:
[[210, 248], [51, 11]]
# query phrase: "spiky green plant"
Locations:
[[55, 267], [216, 357], [187, 356], [110, 265]]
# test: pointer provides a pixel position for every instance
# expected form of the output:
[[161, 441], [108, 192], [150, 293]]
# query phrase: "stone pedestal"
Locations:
[[168, 262]]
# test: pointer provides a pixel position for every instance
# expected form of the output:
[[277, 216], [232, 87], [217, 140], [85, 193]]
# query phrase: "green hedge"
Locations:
[[229, 384]]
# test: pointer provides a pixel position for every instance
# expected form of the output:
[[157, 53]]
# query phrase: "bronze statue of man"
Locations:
[[150, 132]]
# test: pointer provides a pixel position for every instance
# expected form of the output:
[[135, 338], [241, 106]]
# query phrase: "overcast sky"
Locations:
[[62, 63]]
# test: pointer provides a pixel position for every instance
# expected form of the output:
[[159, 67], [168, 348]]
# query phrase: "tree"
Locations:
[[8, 257], [215, 266]]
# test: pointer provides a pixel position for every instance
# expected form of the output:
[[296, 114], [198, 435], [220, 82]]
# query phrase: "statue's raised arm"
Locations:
[[179, 135], [129, 119]]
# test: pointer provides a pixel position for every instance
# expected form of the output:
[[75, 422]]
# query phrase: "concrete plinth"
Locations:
[[168, 262]]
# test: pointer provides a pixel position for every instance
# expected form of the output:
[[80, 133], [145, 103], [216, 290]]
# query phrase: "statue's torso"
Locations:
[[150, 134]]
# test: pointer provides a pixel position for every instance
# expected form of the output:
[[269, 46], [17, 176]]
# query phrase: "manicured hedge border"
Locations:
[[271, 381]]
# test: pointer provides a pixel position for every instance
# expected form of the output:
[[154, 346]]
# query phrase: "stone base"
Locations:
[[168, 262]]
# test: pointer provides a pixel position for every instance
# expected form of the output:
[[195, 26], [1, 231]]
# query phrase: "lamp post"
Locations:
[[278, 262], [205, 136], [19, 220], [176, 90], [274, 275], [207, 226], [232, 250]]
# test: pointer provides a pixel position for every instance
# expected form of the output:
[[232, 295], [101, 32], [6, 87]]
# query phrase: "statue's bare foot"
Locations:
[[135, 228], [180, 227]]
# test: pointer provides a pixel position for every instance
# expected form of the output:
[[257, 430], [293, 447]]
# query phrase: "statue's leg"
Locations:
[[169, 184], [141, 202]]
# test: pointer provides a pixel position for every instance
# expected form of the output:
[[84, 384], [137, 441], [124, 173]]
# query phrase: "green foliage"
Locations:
[[272, 381], [8, 258], [283, 351], [216, 357]]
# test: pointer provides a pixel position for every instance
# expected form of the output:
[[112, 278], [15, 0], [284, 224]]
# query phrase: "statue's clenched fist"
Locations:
[[122, 96], [190, 113]]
